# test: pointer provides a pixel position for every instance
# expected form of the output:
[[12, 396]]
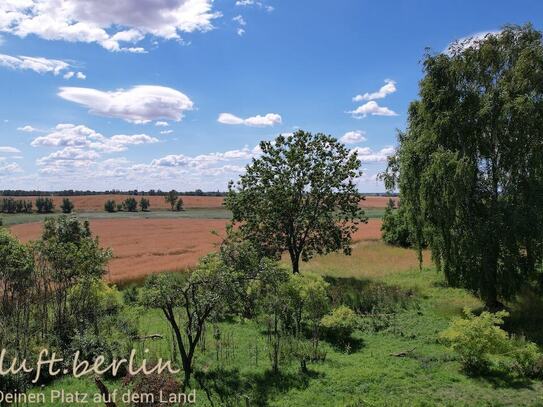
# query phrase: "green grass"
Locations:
[[195, 213], [367, 375]]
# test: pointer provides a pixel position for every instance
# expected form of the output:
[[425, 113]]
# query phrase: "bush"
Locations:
[[45, 205], [130, 204], [144, 204], [179, 205], [479, 340], [67, 206], [395, 228], [340, 323], [110, 206]]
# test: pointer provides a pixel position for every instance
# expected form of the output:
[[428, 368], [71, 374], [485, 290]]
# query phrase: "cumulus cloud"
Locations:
[[112, 24], [371, 108], [247, 3], [353, 137], [161, 124], [367, 155], [82, 137], [140, 104], [9, 168], [166, 132], [10, 150], [388, 88], [28, 129], [36, 64], [269, 119]]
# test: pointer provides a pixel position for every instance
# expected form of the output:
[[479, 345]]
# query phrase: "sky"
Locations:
[[177, 94]]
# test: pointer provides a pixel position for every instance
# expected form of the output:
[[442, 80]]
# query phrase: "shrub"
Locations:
[[144, 204], [479, 339], [160, 385], [340, 323], [130, 204], [110, 206], [45, 205], [67, 206], [179, 205], [476, 338]]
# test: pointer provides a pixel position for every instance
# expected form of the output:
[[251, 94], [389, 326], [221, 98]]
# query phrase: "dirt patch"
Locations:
[[145, 246]]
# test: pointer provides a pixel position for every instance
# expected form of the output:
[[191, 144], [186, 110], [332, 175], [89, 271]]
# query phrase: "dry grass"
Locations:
[[369, 259]]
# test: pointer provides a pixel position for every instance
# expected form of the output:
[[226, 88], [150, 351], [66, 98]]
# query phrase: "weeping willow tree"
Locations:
[[469, 167]]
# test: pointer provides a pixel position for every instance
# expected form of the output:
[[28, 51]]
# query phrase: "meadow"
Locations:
[[393, 360]]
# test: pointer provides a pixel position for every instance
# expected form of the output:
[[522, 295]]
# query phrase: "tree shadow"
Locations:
[[500, 379], [228, 387]]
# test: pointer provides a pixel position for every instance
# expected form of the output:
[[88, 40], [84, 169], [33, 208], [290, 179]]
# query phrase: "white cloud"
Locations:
[[468, 41], [36, 64], [108, 23], [247, 3], [9, 168], [68, 75], [353, 137], [367, 155], [166, 132], [82, 137], [371, 108], [269, 119], [28, 129], [239, 19], [80, 75], [11, 150], [161, 124], [140, 104], [388, 88]]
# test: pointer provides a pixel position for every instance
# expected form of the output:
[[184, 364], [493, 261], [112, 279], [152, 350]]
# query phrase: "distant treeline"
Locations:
[[71, 192], [151, 192]]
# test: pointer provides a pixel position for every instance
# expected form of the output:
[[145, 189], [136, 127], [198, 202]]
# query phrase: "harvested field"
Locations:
[[95, 203], [144, 246]]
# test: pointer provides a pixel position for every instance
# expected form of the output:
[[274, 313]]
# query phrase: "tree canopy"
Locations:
[[470, 164], [299, 196]]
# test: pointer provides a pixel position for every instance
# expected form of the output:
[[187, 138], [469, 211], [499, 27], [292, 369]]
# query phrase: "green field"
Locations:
[[364, 375], [193, 213], [196, 213]]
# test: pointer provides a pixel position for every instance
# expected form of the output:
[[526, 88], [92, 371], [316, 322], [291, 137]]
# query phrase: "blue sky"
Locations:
[[178, 93]]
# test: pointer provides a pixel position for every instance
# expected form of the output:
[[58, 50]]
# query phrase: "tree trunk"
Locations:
[[295, 260]]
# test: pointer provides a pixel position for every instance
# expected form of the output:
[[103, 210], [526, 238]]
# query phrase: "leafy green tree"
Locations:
[[300, 196], [110, 206], [171, 198], [144, 204], [130, 204], [470, 164], [67, 206], [200, 298]]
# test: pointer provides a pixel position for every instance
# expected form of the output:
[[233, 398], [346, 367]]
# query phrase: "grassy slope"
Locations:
[[369, 376]]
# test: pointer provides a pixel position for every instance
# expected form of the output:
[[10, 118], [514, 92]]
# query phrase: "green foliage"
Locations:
[[479, 339], [130, 204], [340, 323], [45, 205], [110, 206], [172, 198], [299, 197], [179, 204], [395, 226], [144, 204], [67, 206], [10, 205], [471, 162]]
